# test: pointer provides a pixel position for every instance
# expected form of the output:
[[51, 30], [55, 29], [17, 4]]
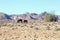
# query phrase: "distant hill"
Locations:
[[4, 16], [28, 16]]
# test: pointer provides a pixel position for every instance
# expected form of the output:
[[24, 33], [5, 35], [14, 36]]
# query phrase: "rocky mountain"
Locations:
[[28, 16], [4, 16]]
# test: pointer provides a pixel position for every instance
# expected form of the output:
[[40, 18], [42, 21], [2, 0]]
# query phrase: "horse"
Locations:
[[20, 20], [25, 21]]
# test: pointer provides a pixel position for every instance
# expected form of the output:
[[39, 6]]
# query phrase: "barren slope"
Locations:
[[34, 30]]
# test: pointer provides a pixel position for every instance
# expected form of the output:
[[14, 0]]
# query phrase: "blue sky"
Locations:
[[32, 6]]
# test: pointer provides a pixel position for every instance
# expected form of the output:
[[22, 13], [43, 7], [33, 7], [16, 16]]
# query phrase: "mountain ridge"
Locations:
[[28, 16]]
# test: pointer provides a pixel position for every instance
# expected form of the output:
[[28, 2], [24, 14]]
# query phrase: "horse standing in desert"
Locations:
[[22, 21], [25, 21]]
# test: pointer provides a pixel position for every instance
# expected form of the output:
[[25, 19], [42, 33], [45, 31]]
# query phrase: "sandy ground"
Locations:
[[34, 30]]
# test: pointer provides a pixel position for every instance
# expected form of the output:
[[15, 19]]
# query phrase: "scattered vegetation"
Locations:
[[31, 26], [35, 39], [48, 28], [50, 17], [36, 28], [9, 30], [57, 29]]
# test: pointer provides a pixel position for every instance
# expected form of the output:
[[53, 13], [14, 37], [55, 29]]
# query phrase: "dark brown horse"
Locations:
[[20, 20], [25, 21]]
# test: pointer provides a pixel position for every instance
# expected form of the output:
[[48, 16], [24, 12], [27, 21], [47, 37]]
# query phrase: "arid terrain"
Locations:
[[33, 30]]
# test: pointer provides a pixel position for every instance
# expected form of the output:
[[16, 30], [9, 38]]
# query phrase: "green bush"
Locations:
[[50, 17]]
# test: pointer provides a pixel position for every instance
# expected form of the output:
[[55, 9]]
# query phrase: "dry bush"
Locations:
[[50, 17]]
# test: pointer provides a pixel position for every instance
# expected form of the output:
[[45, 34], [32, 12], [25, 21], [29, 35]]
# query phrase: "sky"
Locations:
[[32, 6]]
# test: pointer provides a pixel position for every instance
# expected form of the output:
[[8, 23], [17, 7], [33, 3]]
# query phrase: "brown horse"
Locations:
[[25, 21], [20, 20]]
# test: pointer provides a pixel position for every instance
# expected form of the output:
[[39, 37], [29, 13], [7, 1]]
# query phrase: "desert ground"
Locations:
[[33, 30]]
